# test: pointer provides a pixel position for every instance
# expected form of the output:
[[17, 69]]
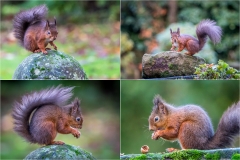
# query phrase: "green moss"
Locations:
[[42, 69], [165, 74], [236, 156], [77, 152], [191, 154], [141, 157], [63, 56], [154, 156], [152, 61], [214, 156], [172, 66]]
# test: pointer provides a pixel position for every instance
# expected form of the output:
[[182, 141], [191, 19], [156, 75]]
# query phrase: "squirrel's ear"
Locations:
[[76, 106], [170, 30], [157, 100], [47, 24], [159, 104], [55, 21], [178, 31], [77, 102], [162, 109]]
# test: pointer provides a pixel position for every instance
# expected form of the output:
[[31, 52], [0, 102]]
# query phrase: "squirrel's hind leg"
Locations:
[[192, 47], [29, 44], [43, 133], [41, 46]]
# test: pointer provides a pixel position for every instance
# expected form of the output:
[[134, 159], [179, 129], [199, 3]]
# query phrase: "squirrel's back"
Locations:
[[26, 18], [22, 110], [197, 130], [196, 124]]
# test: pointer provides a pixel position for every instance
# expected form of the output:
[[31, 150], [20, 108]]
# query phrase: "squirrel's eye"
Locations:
[[48, 32], [156, 119], [78, 119]]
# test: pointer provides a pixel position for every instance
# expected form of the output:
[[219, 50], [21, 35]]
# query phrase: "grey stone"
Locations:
[[53, 65], [169, 64], [60, 152]]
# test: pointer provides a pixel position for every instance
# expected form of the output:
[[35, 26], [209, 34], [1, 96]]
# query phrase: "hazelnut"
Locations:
[[144, 149]]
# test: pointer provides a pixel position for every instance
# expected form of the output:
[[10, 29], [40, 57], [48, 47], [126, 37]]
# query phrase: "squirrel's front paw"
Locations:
[[55, 47], [172, 49], [155, 136], [76, 133]]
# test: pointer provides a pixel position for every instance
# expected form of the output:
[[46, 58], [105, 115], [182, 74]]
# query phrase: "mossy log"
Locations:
[[228, 153]]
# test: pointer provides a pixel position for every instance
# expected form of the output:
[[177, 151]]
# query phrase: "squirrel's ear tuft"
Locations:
[[170, 30], [55, 21], [47, 24], [76, 106], [77, 102], [157, 100], [178, 31]]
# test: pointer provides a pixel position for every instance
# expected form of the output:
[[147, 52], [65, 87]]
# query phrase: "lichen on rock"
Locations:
[[169, 64], [60, 152], [53, 65]]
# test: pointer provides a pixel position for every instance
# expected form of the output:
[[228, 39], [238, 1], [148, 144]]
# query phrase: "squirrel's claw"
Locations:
[[155, 135], [172, 49], [76, 133], [44, 52]]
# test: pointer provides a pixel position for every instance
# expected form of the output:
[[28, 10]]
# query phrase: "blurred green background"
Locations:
[[136, 105], [100, 104], [88, 30], [145, 29]]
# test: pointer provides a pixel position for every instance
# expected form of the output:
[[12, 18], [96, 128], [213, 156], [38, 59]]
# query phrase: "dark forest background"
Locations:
[[145, 29]]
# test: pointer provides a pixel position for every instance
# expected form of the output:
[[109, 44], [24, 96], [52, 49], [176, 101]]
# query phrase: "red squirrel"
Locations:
[[33, 31], [192, 127], [39, 116], [191, 44]]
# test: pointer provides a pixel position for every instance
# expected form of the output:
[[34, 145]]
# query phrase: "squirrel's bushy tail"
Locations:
[[22, 110], [25, 18], [228, 128], [208, 28]]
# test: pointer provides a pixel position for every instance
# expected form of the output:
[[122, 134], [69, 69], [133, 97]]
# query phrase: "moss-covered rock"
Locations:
[[216, 154], [60, 152], [53, 65], [169, 64]]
